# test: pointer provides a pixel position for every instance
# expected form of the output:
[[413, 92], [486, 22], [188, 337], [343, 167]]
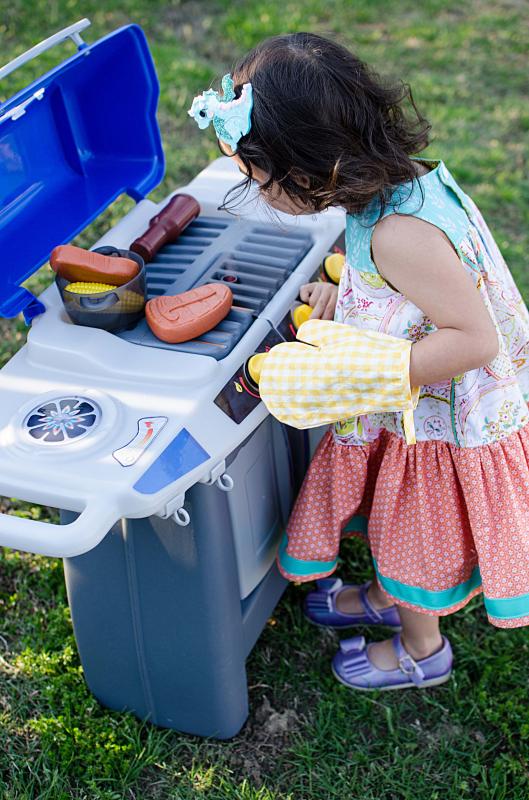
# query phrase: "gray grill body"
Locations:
[[260, 258], [162, 619], [165, 616]]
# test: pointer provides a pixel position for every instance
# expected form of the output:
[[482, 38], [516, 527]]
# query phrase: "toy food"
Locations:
[[75, 264], [104, 304], [185, 316], [166, 226], [88, 288]]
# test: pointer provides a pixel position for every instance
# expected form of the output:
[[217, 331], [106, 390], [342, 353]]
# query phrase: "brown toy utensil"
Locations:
[[166, 226], [185, 316], [75, 264]]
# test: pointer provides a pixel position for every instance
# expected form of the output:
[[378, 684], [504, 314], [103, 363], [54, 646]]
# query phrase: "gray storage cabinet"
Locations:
[[165, 616]]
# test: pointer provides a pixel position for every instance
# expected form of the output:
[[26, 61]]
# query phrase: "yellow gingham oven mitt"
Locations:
[[334, 372]]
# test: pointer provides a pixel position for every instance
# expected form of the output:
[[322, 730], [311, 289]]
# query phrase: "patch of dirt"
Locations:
[[264, 738]]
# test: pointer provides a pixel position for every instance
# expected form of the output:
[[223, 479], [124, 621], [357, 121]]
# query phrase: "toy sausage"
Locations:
[[181, 317], [77, 265], [166, 226]]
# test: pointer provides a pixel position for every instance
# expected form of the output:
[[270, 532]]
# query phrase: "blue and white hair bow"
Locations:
[[230, 116]]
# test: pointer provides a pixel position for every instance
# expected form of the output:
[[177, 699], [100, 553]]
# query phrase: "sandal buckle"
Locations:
[[407, 665]]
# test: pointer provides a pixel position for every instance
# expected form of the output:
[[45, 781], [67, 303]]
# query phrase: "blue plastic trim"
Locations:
[[92, 137], [182, 455], [33, 310]]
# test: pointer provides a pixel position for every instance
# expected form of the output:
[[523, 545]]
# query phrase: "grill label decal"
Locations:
[[148, 430]]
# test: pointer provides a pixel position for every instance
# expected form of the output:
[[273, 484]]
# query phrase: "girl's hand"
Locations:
[[322, 298]]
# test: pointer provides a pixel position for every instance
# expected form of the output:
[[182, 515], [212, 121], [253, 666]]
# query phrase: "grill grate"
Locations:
[[174, 259], [254, 260]]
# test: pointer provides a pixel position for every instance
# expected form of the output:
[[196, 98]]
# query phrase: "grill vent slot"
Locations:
[[253, 260], [173, 260]]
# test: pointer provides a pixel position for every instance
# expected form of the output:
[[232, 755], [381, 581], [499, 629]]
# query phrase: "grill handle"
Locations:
[[59, 541], [71, 32]]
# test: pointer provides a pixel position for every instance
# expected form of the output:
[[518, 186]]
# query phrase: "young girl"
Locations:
[[448, 517]]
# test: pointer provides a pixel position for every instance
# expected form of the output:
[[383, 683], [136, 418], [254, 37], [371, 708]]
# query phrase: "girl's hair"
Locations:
[[324, 126]]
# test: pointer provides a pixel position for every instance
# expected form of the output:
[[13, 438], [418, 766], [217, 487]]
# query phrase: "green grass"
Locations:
[[307, 737]]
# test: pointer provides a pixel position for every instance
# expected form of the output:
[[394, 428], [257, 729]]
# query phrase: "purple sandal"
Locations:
[[320, 608], [352, 667]]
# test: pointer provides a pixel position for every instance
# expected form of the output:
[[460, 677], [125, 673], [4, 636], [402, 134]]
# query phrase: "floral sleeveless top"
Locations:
[[482, 405]]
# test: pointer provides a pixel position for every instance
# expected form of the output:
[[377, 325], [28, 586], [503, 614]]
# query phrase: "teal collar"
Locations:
[[436, 165], [404, 190], [434, 197]]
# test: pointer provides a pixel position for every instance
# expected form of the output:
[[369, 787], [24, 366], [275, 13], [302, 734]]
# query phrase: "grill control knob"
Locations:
[[252, 370], [254, 366], [300, 314], [332, 268]]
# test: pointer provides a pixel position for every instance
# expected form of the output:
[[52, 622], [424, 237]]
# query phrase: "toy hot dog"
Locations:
[[181, 317], [77, 265], [166, 226]]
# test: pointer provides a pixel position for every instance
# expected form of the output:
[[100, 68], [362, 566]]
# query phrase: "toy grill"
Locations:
[[253, 259], [175, 484]]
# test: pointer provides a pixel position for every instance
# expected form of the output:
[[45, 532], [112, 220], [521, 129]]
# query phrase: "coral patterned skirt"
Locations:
[[444, 523]]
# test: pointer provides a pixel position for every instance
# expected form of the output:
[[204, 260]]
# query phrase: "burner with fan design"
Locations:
[[62, 420]]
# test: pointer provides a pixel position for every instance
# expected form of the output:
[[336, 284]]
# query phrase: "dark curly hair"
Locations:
[[325, 127]]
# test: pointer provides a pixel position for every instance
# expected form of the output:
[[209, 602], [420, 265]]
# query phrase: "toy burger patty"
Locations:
[[181, 317]]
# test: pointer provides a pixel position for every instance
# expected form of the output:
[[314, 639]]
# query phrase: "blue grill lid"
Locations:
[[91, 136]]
